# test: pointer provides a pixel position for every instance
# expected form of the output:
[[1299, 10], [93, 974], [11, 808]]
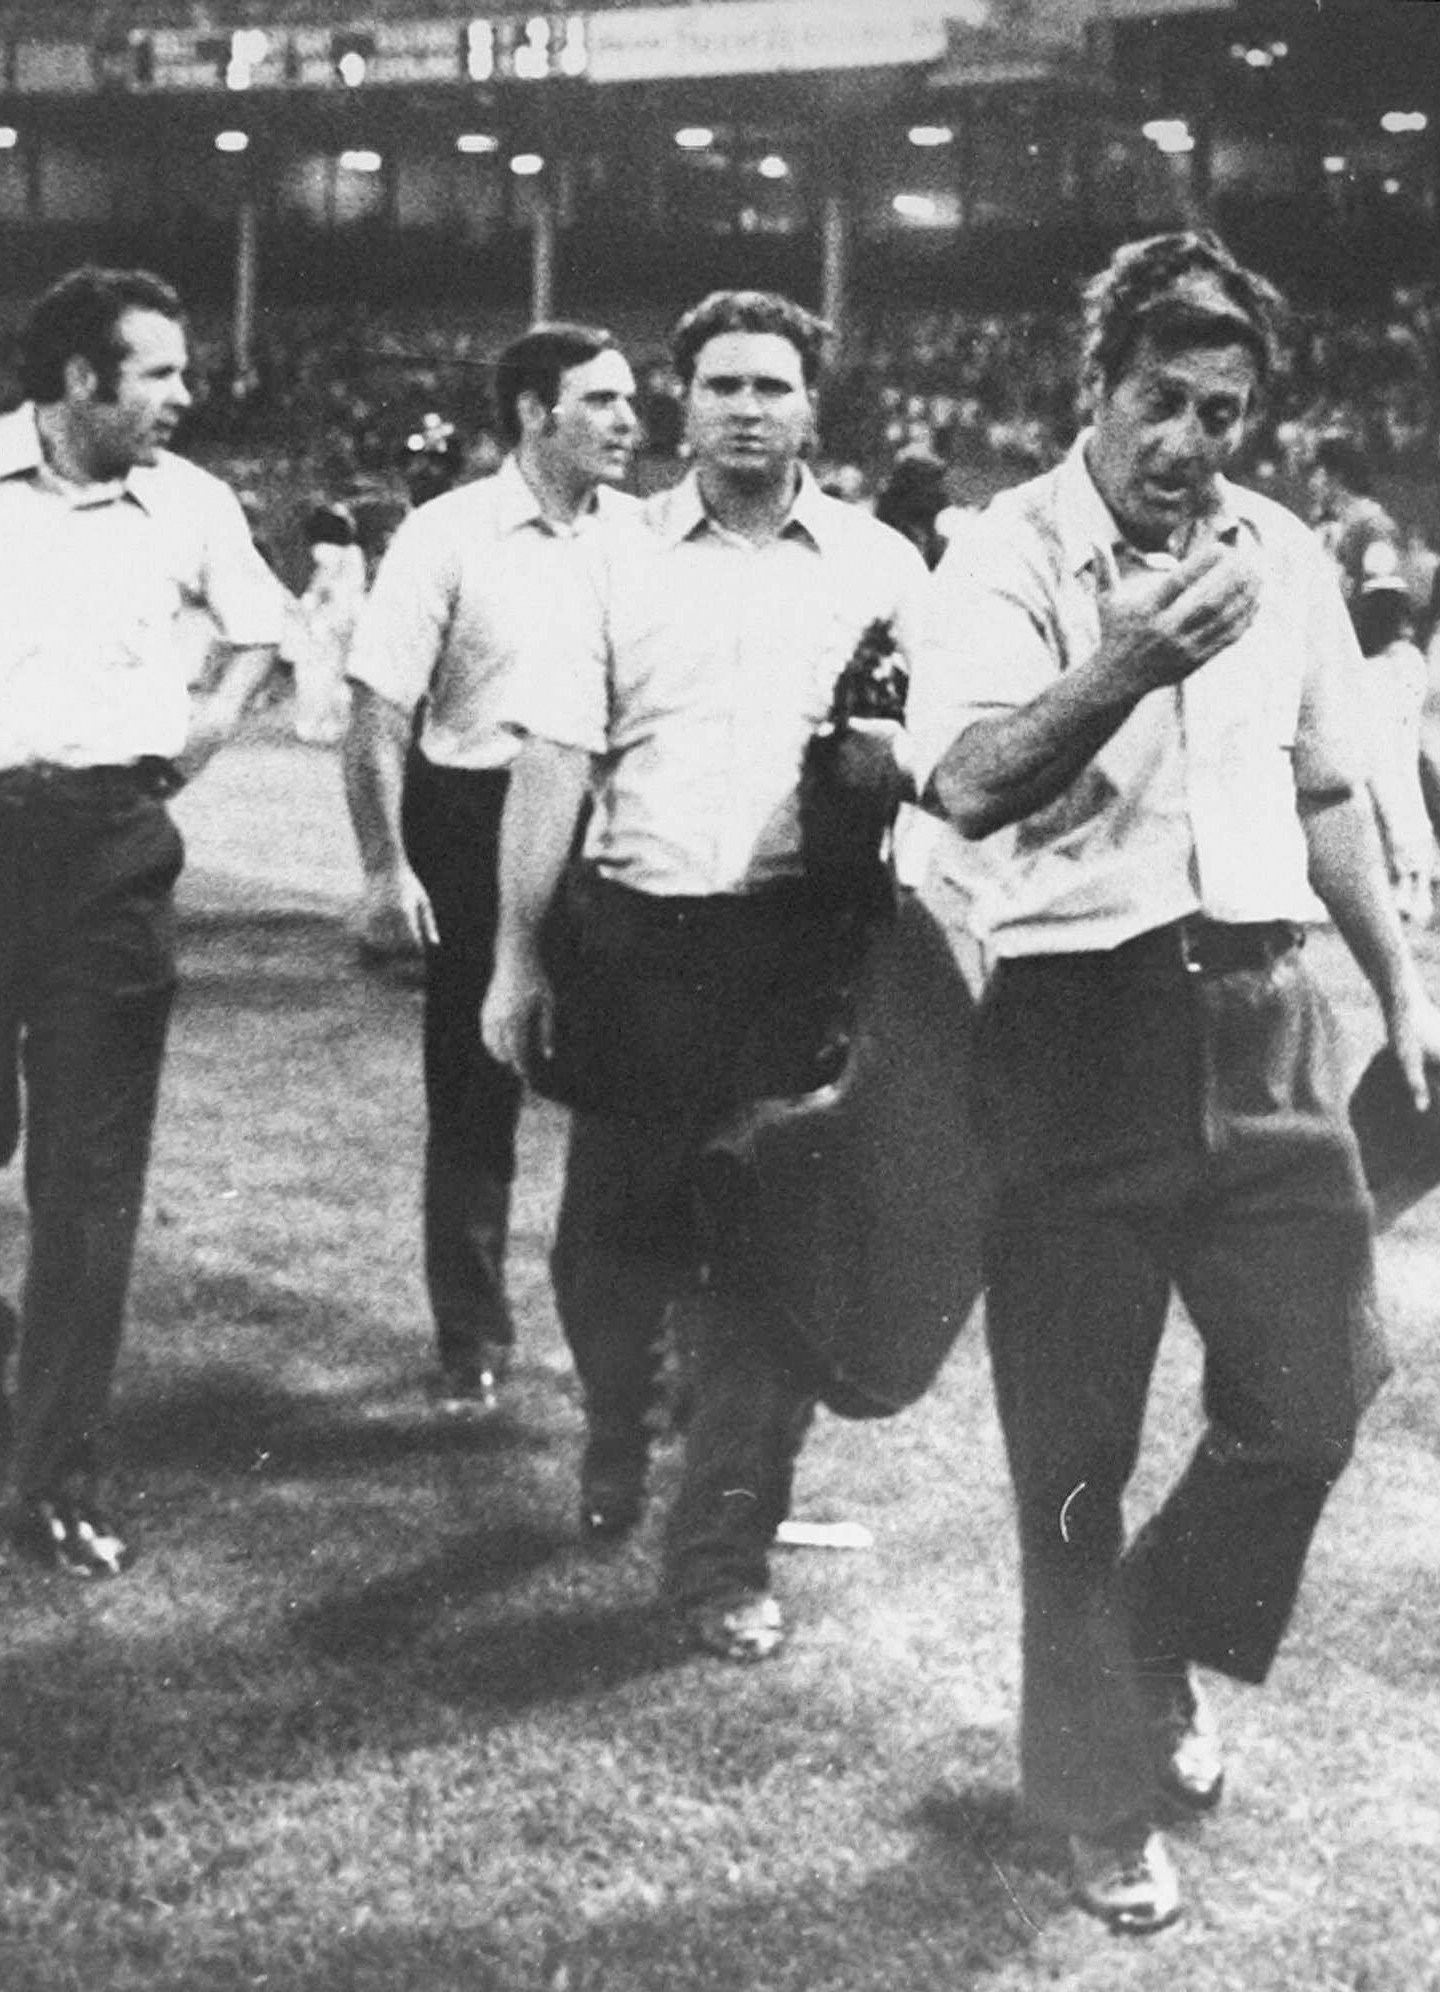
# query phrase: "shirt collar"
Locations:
[[682, 512], [517, 505], [1088, 528], [21, 455], [20, 451]]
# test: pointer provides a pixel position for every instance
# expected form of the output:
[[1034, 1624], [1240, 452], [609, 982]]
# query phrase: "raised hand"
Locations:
[[1156, 628]]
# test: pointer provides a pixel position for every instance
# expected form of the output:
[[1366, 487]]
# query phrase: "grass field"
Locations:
[[367, 1718]]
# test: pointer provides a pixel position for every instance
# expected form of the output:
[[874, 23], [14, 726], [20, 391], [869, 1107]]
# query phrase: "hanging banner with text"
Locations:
[[767, 37]]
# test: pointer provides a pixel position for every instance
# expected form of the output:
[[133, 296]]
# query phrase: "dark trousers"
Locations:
[[87, 979], [724, 1000], [451, 825], [1156, 1130]]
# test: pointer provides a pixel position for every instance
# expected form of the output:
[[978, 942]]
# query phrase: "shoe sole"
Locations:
[[1122, 1925]]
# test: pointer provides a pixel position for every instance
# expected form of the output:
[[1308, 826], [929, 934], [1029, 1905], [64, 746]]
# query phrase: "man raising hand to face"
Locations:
[[1154, 670]]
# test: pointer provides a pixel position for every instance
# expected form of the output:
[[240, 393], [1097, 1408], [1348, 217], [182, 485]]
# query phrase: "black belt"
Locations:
[[1223, 947], [111, 786]]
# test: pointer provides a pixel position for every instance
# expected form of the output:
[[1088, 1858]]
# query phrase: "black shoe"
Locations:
[[612, 1489], [70, 1534]]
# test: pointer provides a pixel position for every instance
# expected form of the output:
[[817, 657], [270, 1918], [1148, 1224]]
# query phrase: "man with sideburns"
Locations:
[[108, 544], [1156, 676]]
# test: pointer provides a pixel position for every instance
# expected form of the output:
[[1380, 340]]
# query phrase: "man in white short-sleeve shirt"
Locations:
[[1154, 675], [717, 632], [472, 581], [108, 544]]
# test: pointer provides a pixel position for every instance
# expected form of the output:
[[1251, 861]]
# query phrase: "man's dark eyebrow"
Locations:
[[755, 380]]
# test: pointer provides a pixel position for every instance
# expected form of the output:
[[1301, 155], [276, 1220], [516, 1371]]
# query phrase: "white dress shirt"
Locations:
[[708, 662], [471, 582], [99, 585], [1191, 804]]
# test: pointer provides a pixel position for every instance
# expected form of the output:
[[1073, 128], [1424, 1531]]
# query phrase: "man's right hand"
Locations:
[[517, 1017], [398, 912], [1158, 628]]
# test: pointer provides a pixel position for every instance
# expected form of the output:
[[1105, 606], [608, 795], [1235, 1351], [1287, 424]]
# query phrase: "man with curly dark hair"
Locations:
[[1157, 673]]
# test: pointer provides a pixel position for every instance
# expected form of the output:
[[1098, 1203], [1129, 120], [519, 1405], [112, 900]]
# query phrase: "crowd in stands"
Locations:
[[995, 393], [346, 405]]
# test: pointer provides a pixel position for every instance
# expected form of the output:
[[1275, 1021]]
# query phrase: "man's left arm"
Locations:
[[217, 712], [248, 604], [1347, 865]]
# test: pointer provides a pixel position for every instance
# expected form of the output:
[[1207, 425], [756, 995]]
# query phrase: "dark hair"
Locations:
[[79, 317], [749, 311], [1345, 460], [535, 362], [1380, 615], [329, 525], [1178, 290], [911, 499]]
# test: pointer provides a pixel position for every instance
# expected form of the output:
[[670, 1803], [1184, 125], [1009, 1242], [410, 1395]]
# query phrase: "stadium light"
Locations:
[[527, 164], [1398, 121], [1171, 135], [480, 51], [352, 55], [532, 55], [1334, 162], [476, 141], [232, 141], [931, 135], [248, 49], [917, 207], [9, 138], [694, 138], [361, 160], [772, 167], [1391, 186], [574, 47]]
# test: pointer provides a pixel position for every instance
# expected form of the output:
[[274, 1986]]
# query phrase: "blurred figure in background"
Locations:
[[845, 481], [325, 619], [471, 580], [1393, 706], [434, 459], [1353, 527], [913, 499]]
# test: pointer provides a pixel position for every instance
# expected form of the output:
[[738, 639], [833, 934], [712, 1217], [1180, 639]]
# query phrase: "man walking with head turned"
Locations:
[[1157, 670], [718, 632], [106, 542], [471, 580]]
